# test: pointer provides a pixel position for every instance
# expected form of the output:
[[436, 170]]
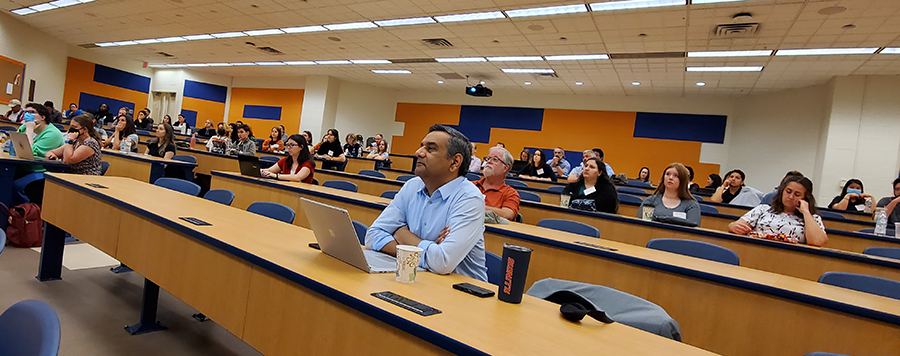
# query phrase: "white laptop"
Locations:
[[22, 146], [337, 238]]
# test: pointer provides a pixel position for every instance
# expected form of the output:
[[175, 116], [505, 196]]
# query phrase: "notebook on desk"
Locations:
[[337, 238]]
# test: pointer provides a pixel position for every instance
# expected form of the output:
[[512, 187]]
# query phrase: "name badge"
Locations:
[[540, 171], [330, 153], [861, 207], [679, 214], [590, 191]]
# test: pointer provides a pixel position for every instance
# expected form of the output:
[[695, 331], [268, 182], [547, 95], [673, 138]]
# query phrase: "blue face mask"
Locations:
[[856, 191], [28, 117]]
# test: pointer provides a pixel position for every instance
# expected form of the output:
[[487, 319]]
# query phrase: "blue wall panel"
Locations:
[[681, 127], [205, 91], [121, 79], [190, 116], [476, 121], [92, 102], [262, 112]]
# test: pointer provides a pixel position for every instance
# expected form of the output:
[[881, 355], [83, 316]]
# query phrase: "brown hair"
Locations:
[[684, 177], [88, 124], [169, 138], [778, 203]]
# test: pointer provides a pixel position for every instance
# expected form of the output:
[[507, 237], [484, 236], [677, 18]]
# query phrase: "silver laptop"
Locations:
[[337, 238], [21, 146]]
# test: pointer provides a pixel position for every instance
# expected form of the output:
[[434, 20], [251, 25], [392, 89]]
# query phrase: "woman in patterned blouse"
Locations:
[[82, 149], [792, 213]]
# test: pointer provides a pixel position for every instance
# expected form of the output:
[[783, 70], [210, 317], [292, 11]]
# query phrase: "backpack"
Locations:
[[25, 228]]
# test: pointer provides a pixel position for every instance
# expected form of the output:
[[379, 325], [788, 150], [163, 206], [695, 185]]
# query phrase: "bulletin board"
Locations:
[[12, 77]]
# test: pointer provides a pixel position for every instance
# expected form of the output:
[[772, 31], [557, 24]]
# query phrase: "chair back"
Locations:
[[825, 214], [389, 194], [185, 158], [630, 199], [275, 211], [708, 209], [143, 132], [570, 226], [221, 196], [638, 183], [699, 198], [2, 240], [516, 183], [29, 327], [633, 191], [529, 196], [557, 189], [698, 249], [104, 166], [889, 252], [360, 231], [268, 161], [372, 173], [863, 283], [406, 177], [341, 184], [519, 218], [888, 232], [473, 176], [179, 185], [315, 181], [495, 271]]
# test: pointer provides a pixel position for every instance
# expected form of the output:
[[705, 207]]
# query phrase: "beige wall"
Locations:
[[44, 57]]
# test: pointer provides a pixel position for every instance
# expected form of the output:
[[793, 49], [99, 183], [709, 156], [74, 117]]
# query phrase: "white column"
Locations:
[[320, 102]]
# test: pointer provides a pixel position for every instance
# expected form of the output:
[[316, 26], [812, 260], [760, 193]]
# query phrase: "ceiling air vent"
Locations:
[[736, 30], [646, 55], [164, 54], [88, 45], [450, 76], [413, 60], [437, 43], [269, 50]]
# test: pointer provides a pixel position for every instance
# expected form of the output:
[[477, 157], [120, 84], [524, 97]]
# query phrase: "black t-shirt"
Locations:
[[727, 197], [206, 132], [543, 171], [333, 146], [851, 205], [605, 197], [154, 148]]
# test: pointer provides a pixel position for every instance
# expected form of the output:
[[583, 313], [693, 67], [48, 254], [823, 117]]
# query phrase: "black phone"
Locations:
[[194, 221], [314, 245], [474, 290]]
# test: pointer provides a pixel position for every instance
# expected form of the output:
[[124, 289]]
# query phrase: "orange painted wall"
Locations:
[[290, 101], [80, 79], [573, 130], [206, 110]]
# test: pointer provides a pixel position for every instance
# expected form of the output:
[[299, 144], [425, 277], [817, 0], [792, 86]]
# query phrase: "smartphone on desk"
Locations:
[[474, 290]]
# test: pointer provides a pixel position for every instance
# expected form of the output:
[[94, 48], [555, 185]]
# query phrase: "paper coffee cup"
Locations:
[[407, 263]]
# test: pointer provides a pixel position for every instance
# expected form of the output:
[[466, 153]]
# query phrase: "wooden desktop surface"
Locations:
[[283, 298], [699, 294], [136, 165]]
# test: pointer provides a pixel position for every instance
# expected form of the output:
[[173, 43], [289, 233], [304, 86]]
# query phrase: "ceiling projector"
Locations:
[[479, 90]]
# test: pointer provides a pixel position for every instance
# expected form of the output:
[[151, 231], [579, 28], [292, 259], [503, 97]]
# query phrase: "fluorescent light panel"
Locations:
[[370, 61], [125, 43], [698, 2], [577, 57], [23, 11], [228, 34], [199, 37], [760, 53], [243, 64], [824, 51], [350, 26], [300, 63], [303, 29], [404, 22], [271, 31], [157, 66], [270, 63], [85, 1], [147, 41], [475, 16], [391, 71], [546, 11], [197, 65], [333, 62], [890, 51], [725, 69], [42, 7], [527, 70], [64, 3], [176, 65], [171, 39], [106, 44], [515, 59], [219, 64], [634, 4], [461, 59]]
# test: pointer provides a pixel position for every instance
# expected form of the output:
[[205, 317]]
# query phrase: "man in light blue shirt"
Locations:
[[575, 174], [439, 211], [559, 163]]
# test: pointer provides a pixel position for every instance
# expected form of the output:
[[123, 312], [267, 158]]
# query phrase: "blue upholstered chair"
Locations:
[[633, 191], [708, 209], [390, 194], [516, 183], [825, 214], [275, 211], [29, 327], [494, 267], [360, 231], [221, 196], [630, 199], [529, 196], [341, 184], [405, 177], [104, 166], [697, 249], [179, 185], [557, 189], [863, 283], [570, 226], [268, 161], [889, 252], [473, 176], [372, 173]]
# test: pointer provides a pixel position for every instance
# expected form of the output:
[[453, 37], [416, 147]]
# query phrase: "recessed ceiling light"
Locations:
[[23, 11], [268, 32], [219, 64], [440, 82], [403, 22], [634, 4], [635, 83], [760, 53], [391, 71], [302, 29], [527, 70], [228, 34], [42, 7], [527, 83], [701, 84], [824, 51], [147, 41], [125, 43], [579, 83], [300, 63], [725, 69], [172, 39], [471, 17], [515, 59], [577, 57], [370, 61], [243, 64], [549, 10], [350, 26], [198, 37], [334, 62], [890, 51], [461, 59], [64, 3], [105, 44], [270, 63]]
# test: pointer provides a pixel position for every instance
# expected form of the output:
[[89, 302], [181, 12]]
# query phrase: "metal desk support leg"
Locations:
[[50, 266], [149, 305]]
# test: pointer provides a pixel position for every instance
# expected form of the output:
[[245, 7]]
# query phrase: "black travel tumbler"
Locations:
[[515, 268]]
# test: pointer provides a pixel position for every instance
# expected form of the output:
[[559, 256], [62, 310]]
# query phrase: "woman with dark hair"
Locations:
[[331, 151], [143, 120], [164, 143], [672, 197], [852, 197], [125, 137], [82, 149], [538, 168], [792, 213], [713, 181], [352, 148], [244, 145], [232, 132], [733, 191], [525, 155], [298, 166], [644, 175], [593, 191], [275, 142], [168, 119]]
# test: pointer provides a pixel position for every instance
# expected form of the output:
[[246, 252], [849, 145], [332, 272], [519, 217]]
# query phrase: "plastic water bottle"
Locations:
[[880, 222], [869, 205]]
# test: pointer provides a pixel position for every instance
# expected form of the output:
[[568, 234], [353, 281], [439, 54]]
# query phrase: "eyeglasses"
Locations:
[[290, 145], [491, 159]]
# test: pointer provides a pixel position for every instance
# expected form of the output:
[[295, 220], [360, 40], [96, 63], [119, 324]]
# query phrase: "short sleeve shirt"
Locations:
[[282, 164], [90, 165], [764, 221], [503, 197]]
